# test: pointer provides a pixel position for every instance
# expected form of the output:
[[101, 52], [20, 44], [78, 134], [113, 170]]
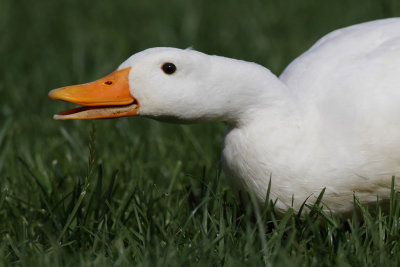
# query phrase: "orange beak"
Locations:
[[108, 97]]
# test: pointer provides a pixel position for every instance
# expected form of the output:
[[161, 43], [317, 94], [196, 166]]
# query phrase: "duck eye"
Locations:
[[108, 82], [168, 68]]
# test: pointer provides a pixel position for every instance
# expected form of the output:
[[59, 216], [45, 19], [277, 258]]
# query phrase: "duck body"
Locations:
[[343, 129], [331, 120]]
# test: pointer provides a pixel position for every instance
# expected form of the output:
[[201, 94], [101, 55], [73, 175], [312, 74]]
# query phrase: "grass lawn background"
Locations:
[[135, 191]]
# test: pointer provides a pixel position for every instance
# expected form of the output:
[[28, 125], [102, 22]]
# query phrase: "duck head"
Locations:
[[170, 84]]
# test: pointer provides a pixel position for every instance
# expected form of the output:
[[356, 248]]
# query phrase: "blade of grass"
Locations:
[[82, 195]]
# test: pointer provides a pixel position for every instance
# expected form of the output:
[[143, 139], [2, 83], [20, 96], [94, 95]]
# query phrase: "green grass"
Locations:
[[136, 191]]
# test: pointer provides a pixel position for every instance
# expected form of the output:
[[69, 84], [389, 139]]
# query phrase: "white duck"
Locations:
[[332, 119]]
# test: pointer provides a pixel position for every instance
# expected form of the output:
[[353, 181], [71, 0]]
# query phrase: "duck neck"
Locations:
[[262, 99]]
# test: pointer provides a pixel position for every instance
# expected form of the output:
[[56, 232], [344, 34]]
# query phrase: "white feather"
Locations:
[[332, 119]]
